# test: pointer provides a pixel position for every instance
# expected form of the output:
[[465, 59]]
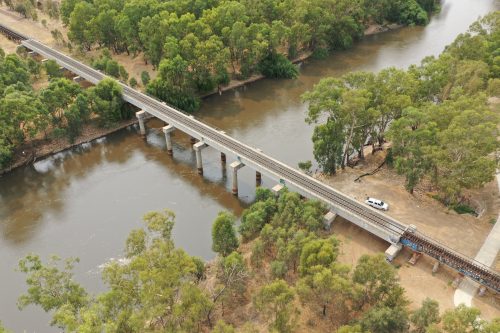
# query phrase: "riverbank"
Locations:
[[39, 149]]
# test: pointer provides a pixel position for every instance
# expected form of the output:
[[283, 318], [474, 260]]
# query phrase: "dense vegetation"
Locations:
[[286, 266], [58, 110], [198, 45], [436, 114]]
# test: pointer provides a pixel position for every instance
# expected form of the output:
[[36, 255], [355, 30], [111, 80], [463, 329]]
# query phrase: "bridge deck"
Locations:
[[375, 222]]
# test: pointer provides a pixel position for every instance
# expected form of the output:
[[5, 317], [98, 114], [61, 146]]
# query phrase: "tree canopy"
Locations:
[[436, 115]]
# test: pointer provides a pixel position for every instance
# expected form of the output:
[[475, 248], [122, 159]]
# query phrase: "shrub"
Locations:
[[145, 78], [133, 82], [494, 87], [278, 269], [277, 66], [464, 209]]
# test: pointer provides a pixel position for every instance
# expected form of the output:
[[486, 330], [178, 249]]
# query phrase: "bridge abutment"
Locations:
[[393, 251], [235, 166], [198, 147], [328, 220], [168, 138]]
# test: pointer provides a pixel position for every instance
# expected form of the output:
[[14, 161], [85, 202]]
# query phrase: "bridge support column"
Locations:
[[258, 178], [435, 267], [141, 115], [277, 189], [328, 220], [236, 166], [168, 138], [223, 158], [393, 251], [199, 163]]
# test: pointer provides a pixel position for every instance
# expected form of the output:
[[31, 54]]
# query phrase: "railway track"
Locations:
[[415, 240], [12, 35]]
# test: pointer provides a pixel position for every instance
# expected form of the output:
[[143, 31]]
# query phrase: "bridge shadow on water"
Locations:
[[35, 194]]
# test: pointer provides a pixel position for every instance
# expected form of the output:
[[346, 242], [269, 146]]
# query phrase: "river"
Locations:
[[84, 202]]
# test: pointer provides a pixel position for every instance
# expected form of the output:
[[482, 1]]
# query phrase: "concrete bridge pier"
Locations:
[[141, 115], [258, 178], [236, 166], [198, 148], [168, 138], [277, 189], [328, 220]]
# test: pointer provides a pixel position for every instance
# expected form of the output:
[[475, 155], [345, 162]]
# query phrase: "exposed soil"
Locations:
[[464, 233]]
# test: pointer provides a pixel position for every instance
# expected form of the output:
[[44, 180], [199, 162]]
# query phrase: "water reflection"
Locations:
[[84, 202]]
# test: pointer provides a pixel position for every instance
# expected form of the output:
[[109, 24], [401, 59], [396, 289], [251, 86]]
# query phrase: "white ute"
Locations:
[[376, 203]]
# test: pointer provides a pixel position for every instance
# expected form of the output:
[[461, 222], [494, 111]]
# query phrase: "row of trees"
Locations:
[[285, 266], [28, 8], [436, 114], [196, 44], [60, 109]]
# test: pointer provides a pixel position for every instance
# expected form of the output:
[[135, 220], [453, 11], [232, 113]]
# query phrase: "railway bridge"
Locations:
[[377, 223]]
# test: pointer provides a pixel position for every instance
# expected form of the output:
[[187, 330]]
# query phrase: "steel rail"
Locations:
[[452, 258], [237, 147]]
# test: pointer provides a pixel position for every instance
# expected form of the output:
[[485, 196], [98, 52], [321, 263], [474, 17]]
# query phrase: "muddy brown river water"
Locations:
[[85, 201]]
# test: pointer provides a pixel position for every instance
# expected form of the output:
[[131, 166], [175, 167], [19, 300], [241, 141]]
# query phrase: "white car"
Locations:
[[376, 203]]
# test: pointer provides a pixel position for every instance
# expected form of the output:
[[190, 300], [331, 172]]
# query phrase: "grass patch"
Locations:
[[464, 209]]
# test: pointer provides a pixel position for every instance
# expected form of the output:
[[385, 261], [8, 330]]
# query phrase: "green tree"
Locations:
[[425, 316], [328, 145], [58, 96], [52, 69], [174, 84], [275, 301], [462, 319], [377, 278], [319, 252], [385, 320], [81, 24], [49, 286], [413, 137], [330, 289], [351, 329], [222, 327], [106, 101], [224, 240], [3, 329], [133, 82], [12, 71], [145, 78]]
